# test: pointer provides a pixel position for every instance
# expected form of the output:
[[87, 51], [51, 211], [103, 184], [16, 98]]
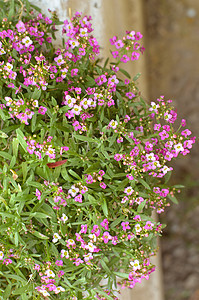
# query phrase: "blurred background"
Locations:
[[172, 50]]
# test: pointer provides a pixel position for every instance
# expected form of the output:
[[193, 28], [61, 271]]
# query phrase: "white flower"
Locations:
[[113, 124], [59, 289], [92, 237], [8, 67], [167, 116], [9, 101], [2, 51], [1, 255], [129, 190], [150, 156], [27, 41], [135, 264], [64, 218], [88, 256], [154, 107], [178, 147], [73, 43], [73, 191], [76, 109], [138, 228], [156, 164], [35, 103], [64, 253], [165, 169], [44, 293], [56, 237], [90, 247], [49, 273], [69, 101], [85, 103]]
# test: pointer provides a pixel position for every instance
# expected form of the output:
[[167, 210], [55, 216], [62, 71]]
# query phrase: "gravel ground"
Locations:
[[172, 46]]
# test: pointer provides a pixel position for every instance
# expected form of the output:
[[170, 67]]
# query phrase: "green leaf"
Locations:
[[85, 138], [141, 206], [20, 137], [15, 146], [5, 155], [12, 10], [144, 184], [40, 235], [136, 76], [92, 168], [34, 122], [24, 170], [74, 174], [3, 134], [105, 267], [26, 288], [167, 176], [105, 208], [173, 198], [117, 221], [7, 292], [125, 73], [65, 175], [36, 94], [121, 275]]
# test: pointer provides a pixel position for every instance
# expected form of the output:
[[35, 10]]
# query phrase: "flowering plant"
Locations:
[[84, 162]]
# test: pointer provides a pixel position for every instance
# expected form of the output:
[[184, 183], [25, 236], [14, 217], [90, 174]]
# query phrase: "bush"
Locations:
[[84, 161]]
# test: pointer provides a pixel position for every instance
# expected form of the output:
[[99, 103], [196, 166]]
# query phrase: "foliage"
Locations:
[[83, 161]]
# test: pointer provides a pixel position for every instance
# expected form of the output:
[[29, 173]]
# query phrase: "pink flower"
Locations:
[[78, 261], [124, 58], [118, 157], [125, 226], [106, 237], [21, 26], [38, 194], [164, 135], [74, 72], [135, 56], [65, 148], [104, 224], [78, 198], [186, 132], [83, 228], [103, 185], [7, 261], [42, 110], [96, 230], [59, 262], [119, 44], [183, 122]]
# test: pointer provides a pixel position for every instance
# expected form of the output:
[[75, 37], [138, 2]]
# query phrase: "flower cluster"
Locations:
[[84, 161]]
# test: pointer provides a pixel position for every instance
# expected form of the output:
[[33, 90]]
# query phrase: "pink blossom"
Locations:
[[38, 194], [106, 237], [104, 224], [42, 110], [125, 226], [135, 56], [96, 230], [103, 185], [21, 26], [83, 228]]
